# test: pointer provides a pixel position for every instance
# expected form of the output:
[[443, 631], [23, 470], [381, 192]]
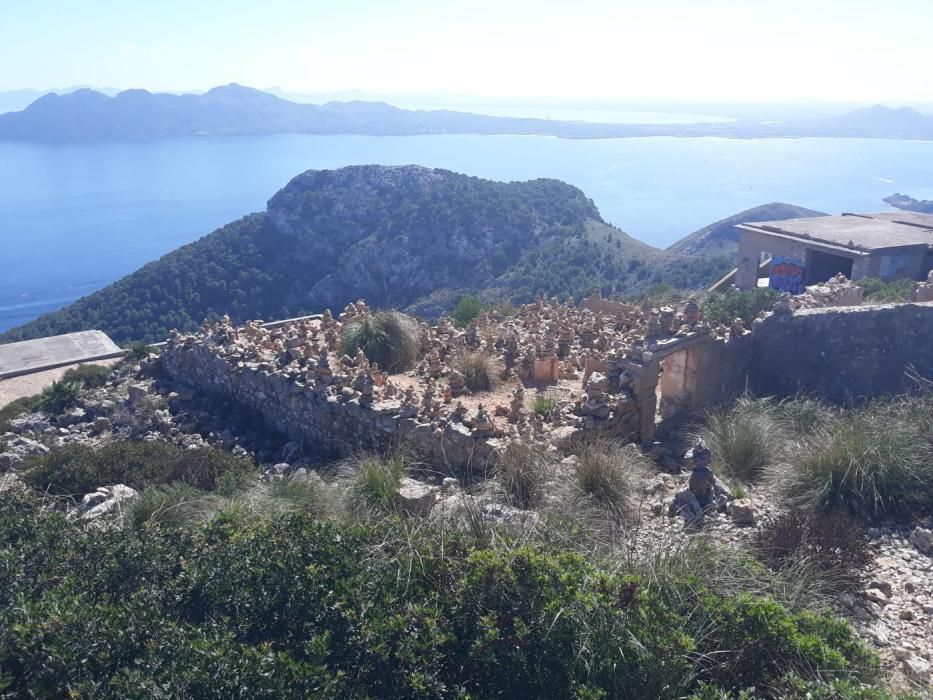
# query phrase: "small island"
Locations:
[[907, 203]]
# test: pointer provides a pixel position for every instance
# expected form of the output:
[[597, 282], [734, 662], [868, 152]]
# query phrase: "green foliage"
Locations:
[[878, 291], [611, 475], [79, 469], [374, 484], [468, 308], [170, 505], [88, 376], [478, 371], [385, 337], [16, 408], [725, 307], [745, 438], [873, 462], [521, 471], [139, 351], [59, 396], [292, 608], [544, 405]]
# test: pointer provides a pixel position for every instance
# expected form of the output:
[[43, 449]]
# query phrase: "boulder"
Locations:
[[32, 423], [102, 424], [416, 497], [917, 669], [685, 503], [922, 539], [72, 416], [106, 500], [742, 511], [137, 393]]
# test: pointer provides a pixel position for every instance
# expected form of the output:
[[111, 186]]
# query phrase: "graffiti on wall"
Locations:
[[786, 275]]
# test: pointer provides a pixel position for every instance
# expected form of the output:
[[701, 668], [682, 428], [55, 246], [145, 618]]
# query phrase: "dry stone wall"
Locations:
[[842, 353]]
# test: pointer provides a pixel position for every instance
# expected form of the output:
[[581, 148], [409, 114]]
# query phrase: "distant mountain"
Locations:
[[721, 238], [17, 100], [902, 201], [408, 237], [883, 122], [236, 110]]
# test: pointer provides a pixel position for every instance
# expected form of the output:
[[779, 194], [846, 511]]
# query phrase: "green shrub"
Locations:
[[544, 405], [88, 376], [139, 351], [59, 396], [17, 408], [873, 463], [292, 608], [478, 371], [468, 308], [521, 471], [878, 291], [725, 307], [745, 439], [373, 488], [612, 476], [171, 505], [78, 469], [385, 337]]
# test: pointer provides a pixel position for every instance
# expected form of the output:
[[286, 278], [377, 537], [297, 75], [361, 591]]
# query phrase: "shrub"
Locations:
[[374, 485], [58, 397], [17, 408], [725, 307], [872, 463], [88, 376], [745, 439], [521, 471], [478, 371], [289, 607], [879, 291], [79, 469], [139, 351], [612, 476], [544, 405], [468, 308], [833, 542], [171, 505], [385, 337]]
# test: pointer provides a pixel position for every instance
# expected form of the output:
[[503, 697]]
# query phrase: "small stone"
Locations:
[[905, 614], [922, 539], [103, 425], [137, 393], [742, 511], [882, 586]]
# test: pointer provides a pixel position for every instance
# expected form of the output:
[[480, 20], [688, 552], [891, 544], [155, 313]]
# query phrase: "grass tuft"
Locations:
[[478, 371], [521, 471], [612, 476], [385, 337], [59, 396], [373, 487], [745, 439]]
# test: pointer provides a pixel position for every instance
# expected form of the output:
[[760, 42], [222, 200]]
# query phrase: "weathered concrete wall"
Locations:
[[842, 353], [327, 423]]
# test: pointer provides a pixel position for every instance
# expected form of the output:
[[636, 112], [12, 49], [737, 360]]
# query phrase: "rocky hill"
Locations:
[[907, 203], [721, 238], [396, 236]]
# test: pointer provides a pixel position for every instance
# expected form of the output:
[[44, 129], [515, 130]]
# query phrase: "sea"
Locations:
[[76, 217]]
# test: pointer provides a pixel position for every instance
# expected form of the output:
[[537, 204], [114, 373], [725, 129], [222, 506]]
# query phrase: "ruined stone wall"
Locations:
[[842, 353], [323, 423]]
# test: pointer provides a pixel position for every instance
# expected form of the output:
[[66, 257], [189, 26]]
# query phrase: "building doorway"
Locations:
[[822, 266]]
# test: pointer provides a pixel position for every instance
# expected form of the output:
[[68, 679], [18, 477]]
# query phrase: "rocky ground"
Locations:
[[893, 610]]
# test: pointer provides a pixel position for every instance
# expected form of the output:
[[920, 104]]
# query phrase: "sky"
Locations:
[[738, 50]]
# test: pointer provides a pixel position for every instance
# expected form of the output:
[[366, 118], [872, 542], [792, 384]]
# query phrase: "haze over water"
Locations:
[[75, 217]]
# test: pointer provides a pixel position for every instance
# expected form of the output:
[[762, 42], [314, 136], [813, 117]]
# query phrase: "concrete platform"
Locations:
[[28, 356]]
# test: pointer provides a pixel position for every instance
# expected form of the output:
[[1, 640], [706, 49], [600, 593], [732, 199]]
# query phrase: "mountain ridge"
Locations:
[[238, 110]]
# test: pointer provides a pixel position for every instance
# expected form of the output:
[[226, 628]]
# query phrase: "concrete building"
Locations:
[[788, 255]]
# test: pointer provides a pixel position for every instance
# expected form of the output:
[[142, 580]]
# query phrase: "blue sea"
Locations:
[[76, 217]]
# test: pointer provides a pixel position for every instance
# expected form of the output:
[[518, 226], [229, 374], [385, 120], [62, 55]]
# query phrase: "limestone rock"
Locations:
[[106, 500], [416, 497], [922, 539], [102, 424], [137, 393], [742, 511], [917, 669]]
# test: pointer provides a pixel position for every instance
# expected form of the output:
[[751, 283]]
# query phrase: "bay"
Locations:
[[75, 217]]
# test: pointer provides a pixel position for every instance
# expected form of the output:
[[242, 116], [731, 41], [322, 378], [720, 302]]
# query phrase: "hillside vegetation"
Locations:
[[406, 237]]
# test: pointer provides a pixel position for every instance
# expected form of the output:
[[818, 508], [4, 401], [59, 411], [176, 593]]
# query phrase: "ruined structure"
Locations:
[[610, 369]]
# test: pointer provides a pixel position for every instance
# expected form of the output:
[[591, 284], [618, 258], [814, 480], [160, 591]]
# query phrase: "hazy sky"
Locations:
[[690, 49]]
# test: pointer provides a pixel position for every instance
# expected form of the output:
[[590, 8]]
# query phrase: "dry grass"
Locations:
[[478, 369]]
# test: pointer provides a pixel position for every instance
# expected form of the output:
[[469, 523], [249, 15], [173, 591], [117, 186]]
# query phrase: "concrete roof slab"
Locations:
[[45, 353], [856, 231]]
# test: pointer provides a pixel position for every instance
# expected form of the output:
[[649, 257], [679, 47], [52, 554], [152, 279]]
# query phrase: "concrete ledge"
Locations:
[[29, 356]]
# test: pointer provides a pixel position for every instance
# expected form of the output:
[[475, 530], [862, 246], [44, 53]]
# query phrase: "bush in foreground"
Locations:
[[288, 607], [385, 337], [78, 469]]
